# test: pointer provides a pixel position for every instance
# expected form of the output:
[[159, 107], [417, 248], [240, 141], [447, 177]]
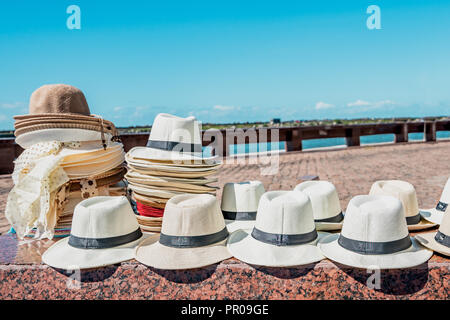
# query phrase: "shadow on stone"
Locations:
[[392, 281], [286, 273], [187, 275], [90, 275]]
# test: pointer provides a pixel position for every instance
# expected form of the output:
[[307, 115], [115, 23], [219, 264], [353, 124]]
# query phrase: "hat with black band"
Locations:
[[284, 234], [325, 202], [193, 235], [104, 232], [374, 234], [406, 193], [438, 241], [240, 202], [174, 139], [436, 214]]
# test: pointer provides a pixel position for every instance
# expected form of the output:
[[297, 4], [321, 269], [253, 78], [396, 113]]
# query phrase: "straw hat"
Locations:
[[284, 234], [325, 203], [240, 203], [193, 235], [59, 112], [374, 233], [104, 231], [405, 192], [436, 214], [438, 241], [173, 139]]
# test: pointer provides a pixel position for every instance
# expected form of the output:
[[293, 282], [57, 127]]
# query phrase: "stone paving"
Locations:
[[352, 170]]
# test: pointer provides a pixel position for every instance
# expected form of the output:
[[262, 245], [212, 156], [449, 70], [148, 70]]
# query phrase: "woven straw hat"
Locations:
[[173, 138], [104, 231], [436, 214], [374, 234], [438, 241], [405, 192], [240, 203], [325, 202], [284, 234], [193, 235]]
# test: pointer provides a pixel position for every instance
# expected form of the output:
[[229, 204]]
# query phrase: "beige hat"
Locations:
[[374, 234], [405, 192], [284, 234], [325, 203], [173, 138], [193, 235], [104, 232], [436, 214], [240, 204], [59, 112], [438, 241]]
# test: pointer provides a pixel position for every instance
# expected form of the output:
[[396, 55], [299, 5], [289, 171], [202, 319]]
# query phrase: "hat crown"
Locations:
[[445, 225], [58, 98], [324, 198], [285, 212], [445, 196], [167, 127], [192, 215], [242, 196], [103, 217], [402, 190], [374, 218]]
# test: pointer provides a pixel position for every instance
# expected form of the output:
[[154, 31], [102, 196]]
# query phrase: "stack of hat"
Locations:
[[171, 164], [70, 155]]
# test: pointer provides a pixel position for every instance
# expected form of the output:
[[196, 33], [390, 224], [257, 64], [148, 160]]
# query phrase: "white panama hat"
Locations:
[[374, 234], [438, 241], [193, 235], [173, 138], [405, 192], [325, 202], [284, 234], [104, 232], [436, 214], [240, 204]]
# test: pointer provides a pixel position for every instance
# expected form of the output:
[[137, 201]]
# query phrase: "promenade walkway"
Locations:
[[352, 170]]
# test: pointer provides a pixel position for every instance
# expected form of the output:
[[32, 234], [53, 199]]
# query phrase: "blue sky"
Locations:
[[226, 61]]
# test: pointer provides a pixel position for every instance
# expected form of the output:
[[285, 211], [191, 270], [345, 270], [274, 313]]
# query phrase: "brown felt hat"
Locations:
[[58, 98]]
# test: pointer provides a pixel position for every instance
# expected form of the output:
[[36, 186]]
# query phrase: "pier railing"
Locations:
[[221, 139]]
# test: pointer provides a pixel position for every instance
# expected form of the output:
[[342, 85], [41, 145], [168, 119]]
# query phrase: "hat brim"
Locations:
[[28, 139], [249, 250], [427, 240], [151, 253], [432, 215], [182, 165], [63, 256], [157, 154], [234, 225], [423, 224], [328, 226], [415, 255]]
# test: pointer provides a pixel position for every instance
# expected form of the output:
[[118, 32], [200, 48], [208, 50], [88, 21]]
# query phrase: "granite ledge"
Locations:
[[230, 279]]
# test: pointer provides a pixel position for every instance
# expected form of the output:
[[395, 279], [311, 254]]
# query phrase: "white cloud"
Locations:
[[11, 105], [2, 117], [323, 105], [224, 108], [377, 104], [117, 108], [358, 103]]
